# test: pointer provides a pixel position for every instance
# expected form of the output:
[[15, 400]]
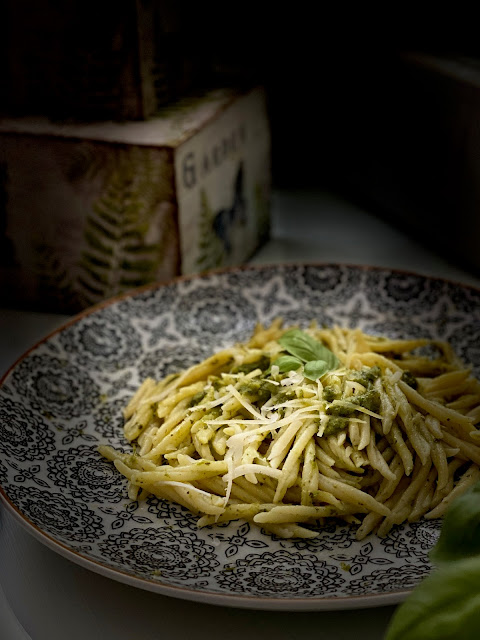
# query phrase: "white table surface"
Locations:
[[43, 596]]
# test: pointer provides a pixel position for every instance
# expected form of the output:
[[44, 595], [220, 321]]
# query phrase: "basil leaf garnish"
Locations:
[[287, 363], [299, 344], [315, 369]]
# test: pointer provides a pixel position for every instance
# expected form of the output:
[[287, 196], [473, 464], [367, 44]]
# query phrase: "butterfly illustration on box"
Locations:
[[225, 219]]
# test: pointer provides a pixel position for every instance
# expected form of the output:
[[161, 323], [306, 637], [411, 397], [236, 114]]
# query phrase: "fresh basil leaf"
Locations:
[[460, 532], [330, 358], [287, 363], [445, 605], [315, 369], [300, 344]]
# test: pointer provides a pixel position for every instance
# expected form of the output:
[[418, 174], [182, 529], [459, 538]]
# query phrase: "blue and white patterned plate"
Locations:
[[65, 397]]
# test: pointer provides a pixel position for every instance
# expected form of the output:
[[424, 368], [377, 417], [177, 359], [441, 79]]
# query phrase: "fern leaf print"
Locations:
[[130, 234]]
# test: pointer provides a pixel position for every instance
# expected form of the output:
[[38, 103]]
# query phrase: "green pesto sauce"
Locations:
[[262, 363], [366, 377], [335, 424], [213, 414], [197, 398], [284, 396], [256, 390], [329, 393], [409, 379], [369, 400]]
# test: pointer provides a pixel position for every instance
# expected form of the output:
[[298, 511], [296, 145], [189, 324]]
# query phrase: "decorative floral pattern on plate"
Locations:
[[24, 434], [84, 475], [56, 388], [108, 341], [169, 553], [57, 515], [281, 573], [67, 394]]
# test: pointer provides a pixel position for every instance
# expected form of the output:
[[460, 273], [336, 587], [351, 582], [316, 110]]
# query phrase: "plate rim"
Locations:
[[268, 603], [76, 317], [152, 286], [244, 601]]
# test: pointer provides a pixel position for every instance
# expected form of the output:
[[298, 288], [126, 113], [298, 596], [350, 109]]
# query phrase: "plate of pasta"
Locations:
[[274, 437]]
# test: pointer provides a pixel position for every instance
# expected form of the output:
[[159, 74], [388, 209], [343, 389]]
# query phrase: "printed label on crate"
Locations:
[[223, 183]]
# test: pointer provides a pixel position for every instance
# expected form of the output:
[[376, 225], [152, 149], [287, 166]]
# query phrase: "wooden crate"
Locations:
[[88, 211]]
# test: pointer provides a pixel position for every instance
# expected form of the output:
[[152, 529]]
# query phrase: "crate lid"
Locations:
[[173, 125]]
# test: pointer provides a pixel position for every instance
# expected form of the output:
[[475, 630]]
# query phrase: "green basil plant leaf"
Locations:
[[460, 532], [443, 606], [446, 604], [300, 344], [315, 369], [287, 363]]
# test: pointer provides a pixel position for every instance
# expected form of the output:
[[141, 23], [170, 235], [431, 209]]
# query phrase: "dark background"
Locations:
[[354, 106], [382, 107]]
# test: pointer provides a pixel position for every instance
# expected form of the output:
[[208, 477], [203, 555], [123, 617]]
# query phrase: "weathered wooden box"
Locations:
[[88, 211]]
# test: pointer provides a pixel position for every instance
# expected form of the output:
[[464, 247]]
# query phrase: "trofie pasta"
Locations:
[[295, 427]]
